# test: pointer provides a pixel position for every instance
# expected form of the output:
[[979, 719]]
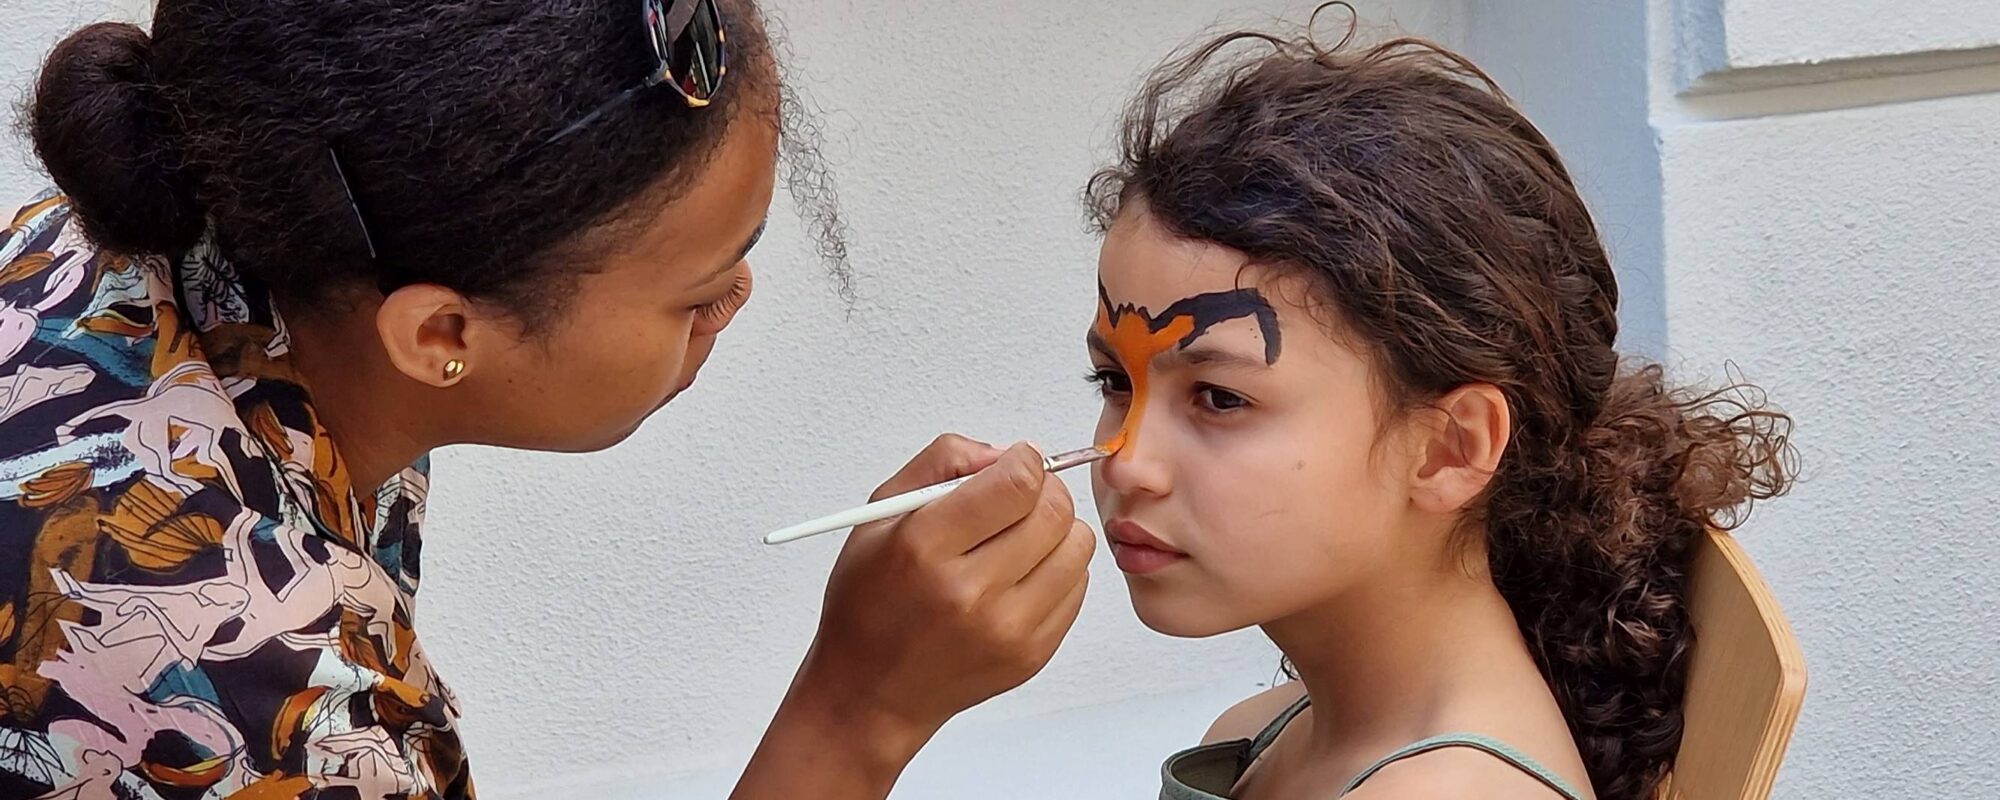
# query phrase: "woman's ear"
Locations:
[[1461, 445], [423, 330]]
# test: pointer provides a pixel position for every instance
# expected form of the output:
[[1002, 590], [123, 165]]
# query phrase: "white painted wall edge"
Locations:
[[1726, 44], [1705, 80]]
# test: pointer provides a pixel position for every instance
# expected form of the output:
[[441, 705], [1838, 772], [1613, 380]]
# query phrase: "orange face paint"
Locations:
[[1135, 344], [1135, 337]]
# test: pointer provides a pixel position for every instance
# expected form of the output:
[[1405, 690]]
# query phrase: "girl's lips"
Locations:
[[1137, 550]]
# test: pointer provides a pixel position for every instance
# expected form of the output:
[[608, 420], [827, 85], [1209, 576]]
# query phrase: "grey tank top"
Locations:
[[1211, 771]]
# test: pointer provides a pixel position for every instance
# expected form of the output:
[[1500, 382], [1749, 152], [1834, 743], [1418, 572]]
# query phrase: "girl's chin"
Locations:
[[1180, 617]]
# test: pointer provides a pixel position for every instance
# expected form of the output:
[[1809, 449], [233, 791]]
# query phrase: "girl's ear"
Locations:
[[1460, 448]]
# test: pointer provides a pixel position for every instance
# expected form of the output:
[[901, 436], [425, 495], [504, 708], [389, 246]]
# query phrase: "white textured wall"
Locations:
[[1577, 68], [1833, 234], [28, 28], [1845, 261], [1756, 34]]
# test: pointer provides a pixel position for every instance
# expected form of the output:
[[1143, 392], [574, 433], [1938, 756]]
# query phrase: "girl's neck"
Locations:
[[1389, 662]]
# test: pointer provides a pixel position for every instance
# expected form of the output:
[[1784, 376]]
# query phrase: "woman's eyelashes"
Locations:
[[720, 309]]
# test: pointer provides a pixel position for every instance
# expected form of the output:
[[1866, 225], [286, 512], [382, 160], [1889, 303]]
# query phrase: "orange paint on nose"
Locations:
[[1135, 344]]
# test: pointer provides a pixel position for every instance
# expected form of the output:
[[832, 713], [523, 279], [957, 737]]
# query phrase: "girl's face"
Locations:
[[1255, 481]]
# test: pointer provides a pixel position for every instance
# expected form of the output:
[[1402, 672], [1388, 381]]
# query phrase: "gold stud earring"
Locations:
[[453, 370]]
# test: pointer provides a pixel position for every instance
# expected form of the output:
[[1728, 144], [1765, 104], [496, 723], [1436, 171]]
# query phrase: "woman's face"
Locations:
[[637, 330], [1250, 486]]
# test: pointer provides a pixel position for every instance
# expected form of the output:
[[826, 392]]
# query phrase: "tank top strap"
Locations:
[[1277, 726], [1492, 747]]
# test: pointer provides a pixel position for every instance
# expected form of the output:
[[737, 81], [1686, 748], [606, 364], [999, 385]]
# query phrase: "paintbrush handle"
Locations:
[[861, 515], [910, 501]]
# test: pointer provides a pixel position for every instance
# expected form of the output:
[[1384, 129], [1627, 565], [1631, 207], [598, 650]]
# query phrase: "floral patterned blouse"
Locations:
[[194, 601]]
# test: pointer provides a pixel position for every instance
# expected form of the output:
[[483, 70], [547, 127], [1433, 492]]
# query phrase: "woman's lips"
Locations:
[[1137, 550]]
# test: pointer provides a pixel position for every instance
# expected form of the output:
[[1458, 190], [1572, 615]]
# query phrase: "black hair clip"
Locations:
[[360, 222]]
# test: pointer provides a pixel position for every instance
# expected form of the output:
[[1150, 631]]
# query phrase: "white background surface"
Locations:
[[613, 629]]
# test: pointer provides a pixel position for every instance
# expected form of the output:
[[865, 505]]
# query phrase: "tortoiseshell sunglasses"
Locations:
[[689, 42]]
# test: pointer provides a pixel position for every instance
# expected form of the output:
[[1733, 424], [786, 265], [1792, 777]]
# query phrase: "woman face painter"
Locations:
[[295, 246]]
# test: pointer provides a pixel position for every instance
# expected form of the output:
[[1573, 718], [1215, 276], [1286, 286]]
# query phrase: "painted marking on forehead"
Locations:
[[1203, 311], [1136, 336]]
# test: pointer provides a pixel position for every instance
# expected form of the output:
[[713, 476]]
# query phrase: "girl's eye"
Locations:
[[1219, 400], [1110, 382]]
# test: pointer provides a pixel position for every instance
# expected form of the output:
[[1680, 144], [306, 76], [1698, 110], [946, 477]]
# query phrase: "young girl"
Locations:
[[1357, 338]]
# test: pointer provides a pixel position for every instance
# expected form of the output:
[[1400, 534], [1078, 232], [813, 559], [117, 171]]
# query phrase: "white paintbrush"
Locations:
[[910, 501]]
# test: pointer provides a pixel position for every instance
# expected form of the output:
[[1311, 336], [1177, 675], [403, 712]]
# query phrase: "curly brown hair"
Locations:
[[1447, 239]]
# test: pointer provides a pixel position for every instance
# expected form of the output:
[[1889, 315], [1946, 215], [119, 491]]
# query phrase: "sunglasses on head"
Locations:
[[688, 41], [689, 48]]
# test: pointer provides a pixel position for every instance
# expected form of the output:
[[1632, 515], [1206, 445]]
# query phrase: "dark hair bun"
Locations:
[[105, 131]]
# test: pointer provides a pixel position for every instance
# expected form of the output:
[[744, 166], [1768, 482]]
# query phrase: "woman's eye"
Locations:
[[722, 308], [1217, 399], [1110, 382]]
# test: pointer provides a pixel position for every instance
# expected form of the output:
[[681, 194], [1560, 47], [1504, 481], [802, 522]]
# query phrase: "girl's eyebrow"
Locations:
[[1194, 355], [1197, 355], [1099, 346]]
